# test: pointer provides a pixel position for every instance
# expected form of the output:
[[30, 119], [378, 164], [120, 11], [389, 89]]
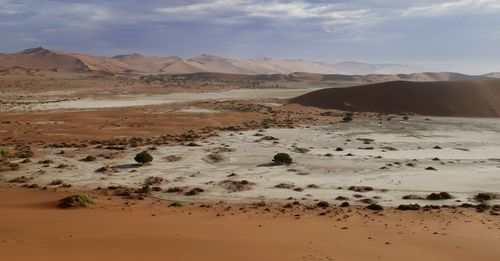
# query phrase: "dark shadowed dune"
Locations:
[[312, 77], [450, 98]]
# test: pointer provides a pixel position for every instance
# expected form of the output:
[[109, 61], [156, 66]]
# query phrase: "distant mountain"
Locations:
[[44, 59], [493, 75], [337, 78]]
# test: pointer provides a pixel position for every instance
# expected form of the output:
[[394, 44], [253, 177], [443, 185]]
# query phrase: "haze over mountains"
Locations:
[[45, 59]]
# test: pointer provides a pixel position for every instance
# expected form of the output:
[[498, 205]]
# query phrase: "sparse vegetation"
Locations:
[[285, 186], [56, 182], [194, 192], [347, 117], [21, 179], [174, 190], [439, 196], [4, 153], [107, 169], [153, 180], [75, 201], [481, 197], [46, 162], [282, 159], [176, 204], [360, 188], [215, 158], [323, 204], [146, 189], [409, 207], [344, 204], [375, 207], [143, 158], [235, 185]]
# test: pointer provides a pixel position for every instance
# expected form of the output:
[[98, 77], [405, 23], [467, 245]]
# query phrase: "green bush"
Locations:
[[75, 201], [176, 204], [4, 153], [146, 189], [143, 157], [348, 117], [282, 159]]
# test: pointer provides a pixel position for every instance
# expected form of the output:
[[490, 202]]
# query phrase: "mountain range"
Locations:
[[44, 59]]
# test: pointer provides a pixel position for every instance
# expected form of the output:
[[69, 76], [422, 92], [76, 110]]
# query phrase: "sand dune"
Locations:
[[34, 229], [458, 98], [19, 71], [143, 63], [43, 59]]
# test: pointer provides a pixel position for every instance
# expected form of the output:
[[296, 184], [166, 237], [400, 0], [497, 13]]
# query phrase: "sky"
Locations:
[[460, 35]]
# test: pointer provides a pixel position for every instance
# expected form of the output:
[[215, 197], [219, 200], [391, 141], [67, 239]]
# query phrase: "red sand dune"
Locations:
[[459, 98]]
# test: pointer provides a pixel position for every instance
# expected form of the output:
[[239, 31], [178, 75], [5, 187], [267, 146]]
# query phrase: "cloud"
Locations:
[[8, 7], [347, 13], [325, 14], [441, 8]]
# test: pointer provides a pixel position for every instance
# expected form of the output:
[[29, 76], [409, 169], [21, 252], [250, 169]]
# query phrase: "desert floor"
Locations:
[[213, 144]]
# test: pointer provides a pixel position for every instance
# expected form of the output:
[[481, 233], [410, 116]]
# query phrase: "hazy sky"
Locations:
[[461, 35]]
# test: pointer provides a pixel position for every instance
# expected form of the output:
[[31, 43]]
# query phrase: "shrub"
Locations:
[[347, 117], [174, 190], [4, 153], [323, 204], [439, 196], [21, 179], [75, 201], [56, 182], [176, 204], [46, 162], [375, 207], [344, 204], [485, 197], [282, 159], [194, 192], [146, 189], [409, 207], [143, 157], [153, 180]]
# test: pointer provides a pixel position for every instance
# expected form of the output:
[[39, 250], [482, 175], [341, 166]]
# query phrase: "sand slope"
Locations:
[[19, 71], [34, 229], [458, 98]]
